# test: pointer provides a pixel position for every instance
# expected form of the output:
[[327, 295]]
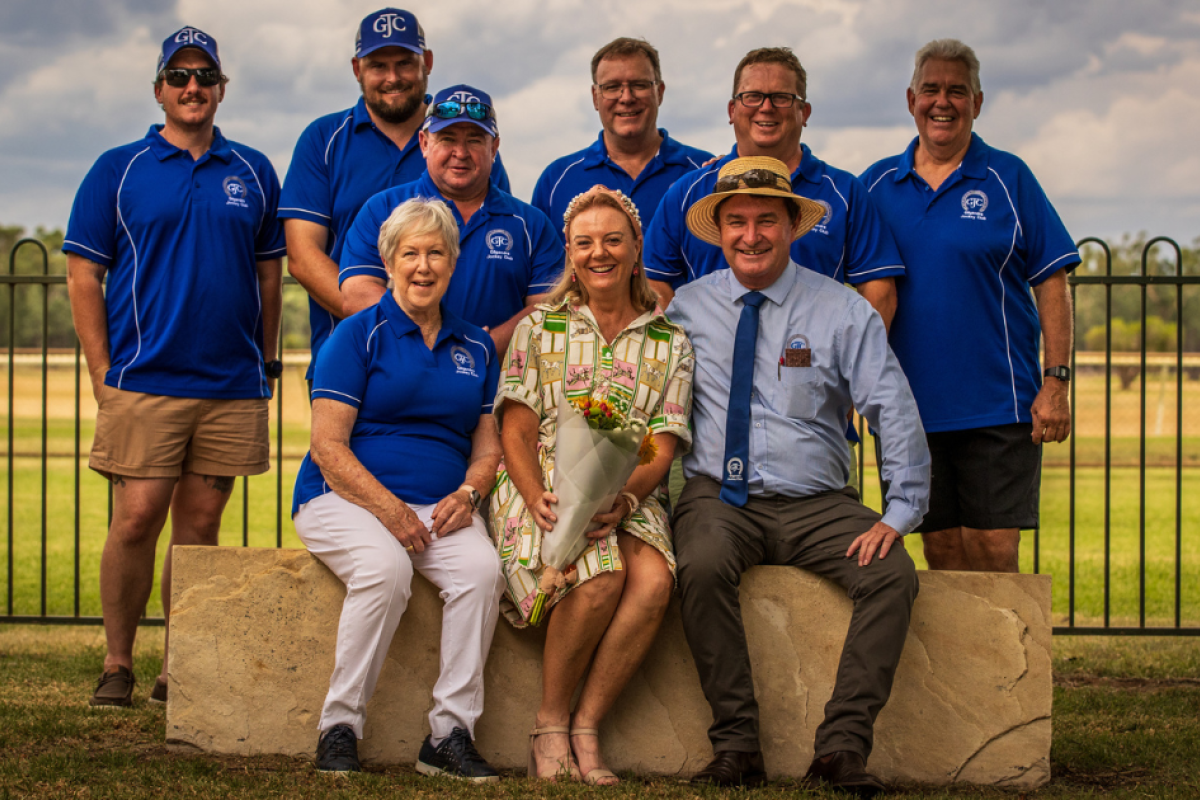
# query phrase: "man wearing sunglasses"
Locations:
[[632, 154], [181, 342], [510, 253], [782, 353], [768, 112], [342, 159]]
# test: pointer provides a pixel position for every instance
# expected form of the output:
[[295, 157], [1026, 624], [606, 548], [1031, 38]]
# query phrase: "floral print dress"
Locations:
[[646, 372]]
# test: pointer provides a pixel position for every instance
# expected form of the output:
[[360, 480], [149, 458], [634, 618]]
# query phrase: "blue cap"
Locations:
[[391, 27], [187, 37], [462, 94]]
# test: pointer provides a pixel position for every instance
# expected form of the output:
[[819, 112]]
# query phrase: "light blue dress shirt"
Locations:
[[798, 413]]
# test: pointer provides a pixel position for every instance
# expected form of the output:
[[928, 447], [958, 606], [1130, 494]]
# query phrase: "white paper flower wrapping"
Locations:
[[590, 469]]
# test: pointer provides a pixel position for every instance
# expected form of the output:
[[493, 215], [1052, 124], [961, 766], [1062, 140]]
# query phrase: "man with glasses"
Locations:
[[181, 342], [342, 159], [510, 254], [768, 112], [632, 153], [782, 353]]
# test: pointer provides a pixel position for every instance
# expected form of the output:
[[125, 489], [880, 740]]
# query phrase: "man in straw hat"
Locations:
[[781, 355]]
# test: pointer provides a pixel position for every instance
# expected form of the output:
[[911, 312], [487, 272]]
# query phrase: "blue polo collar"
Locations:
[[163, 149], [669, 151], [360, 115], [402, 324], [497, 203], [974, 164]]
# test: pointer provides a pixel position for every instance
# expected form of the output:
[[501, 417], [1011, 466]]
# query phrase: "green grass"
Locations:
[[258, 521], [1126, 725]]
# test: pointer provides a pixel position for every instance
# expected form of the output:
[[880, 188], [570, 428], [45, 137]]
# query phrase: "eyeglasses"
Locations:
[[614, 90], [778, 99], [180, 76], [453, 108], [753, 179]]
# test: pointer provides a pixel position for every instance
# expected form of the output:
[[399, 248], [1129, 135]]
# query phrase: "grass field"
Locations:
[[1126, 725], [255, 517]]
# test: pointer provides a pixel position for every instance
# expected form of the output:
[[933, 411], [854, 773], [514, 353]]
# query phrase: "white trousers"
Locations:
[[378, 572]]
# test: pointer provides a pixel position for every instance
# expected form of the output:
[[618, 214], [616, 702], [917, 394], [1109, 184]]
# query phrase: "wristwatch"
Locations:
[[1061, 373], [476, 497], [274, 369]]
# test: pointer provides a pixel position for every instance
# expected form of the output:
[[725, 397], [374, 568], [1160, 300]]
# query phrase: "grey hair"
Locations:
[[417, 217], [948, 50]]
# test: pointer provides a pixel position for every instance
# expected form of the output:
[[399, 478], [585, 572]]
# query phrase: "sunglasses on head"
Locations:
[[180, 76], [752, 179], [453, 108]]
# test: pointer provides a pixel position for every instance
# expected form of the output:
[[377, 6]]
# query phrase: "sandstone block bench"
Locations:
[[253, 630]]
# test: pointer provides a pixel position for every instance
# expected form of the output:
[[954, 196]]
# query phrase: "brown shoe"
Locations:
[[844, 770], [114, 689], [731, 768], [159, 693]]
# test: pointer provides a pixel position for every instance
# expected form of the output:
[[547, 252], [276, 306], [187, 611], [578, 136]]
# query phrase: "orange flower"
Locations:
[[648, 451]]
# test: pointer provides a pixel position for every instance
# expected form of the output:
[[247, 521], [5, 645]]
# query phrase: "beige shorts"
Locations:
[[154, 436]]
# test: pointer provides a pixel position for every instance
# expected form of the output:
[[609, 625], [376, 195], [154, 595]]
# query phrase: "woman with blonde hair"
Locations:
[[599, 335]]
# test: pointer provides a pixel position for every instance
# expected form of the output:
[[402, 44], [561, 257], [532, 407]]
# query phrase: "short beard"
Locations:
[[396, 115]]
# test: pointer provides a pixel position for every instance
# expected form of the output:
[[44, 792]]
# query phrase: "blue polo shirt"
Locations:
[[509, 251], [850, 244], [181, 240], [340, 161], [573, 175], [417, 407], [966, 328]]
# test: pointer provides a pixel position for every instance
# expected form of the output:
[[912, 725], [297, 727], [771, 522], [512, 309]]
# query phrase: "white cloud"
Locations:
[[1101, 99]]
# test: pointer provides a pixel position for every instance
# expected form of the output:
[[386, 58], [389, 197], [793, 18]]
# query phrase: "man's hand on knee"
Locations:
[[879, 539]]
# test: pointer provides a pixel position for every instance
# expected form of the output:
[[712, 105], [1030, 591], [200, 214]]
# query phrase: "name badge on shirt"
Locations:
[[797, 353]]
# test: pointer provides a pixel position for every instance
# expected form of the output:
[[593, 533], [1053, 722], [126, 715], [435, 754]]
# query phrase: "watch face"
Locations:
[[274, 369]]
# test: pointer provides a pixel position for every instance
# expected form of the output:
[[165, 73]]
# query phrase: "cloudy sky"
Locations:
[[1101, 98]]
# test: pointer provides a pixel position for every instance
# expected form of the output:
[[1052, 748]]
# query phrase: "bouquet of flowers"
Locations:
[[597, 449]]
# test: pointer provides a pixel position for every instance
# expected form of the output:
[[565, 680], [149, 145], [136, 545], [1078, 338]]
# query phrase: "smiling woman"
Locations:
[[403, 451]]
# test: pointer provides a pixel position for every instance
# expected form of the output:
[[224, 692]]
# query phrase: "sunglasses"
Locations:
[[180, 77], [752, 179], [453, 108]]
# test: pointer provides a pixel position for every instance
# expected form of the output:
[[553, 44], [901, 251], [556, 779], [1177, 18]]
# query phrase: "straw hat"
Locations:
[[770, 178]]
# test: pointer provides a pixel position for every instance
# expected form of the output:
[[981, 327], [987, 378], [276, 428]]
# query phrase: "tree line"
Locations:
[[1090, 300]]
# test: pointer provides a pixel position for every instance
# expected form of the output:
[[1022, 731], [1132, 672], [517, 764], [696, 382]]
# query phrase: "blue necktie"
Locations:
[[735, 482]]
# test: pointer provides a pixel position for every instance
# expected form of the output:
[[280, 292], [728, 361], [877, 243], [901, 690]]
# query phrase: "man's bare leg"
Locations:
[[944, 549], [127, 565], [196, 509], [994, 550]]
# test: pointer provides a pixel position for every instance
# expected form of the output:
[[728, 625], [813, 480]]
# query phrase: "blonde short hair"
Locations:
[[417, 217]]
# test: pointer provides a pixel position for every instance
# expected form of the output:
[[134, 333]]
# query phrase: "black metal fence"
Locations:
[[1111, 572]]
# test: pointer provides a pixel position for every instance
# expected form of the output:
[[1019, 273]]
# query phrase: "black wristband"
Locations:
[[1061, 373]]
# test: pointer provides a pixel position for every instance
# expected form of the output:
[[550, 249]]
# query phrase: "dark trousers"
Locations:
[[715, 543]]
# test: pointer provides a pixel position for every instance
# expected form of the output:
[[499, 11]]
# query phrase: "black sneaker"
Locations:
[[337, 750], [455, 757]]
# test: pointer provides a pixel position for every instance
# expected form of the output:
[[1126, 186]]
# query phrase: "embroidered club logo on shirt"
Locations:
[[821, 226], [500, 244], [235, 190], [733, 469], [974, 203], [464, 362]]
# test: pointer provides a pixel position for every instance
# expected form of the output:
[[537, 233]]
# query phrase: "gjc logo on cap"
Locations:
[[389, 22], [191, 36]]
